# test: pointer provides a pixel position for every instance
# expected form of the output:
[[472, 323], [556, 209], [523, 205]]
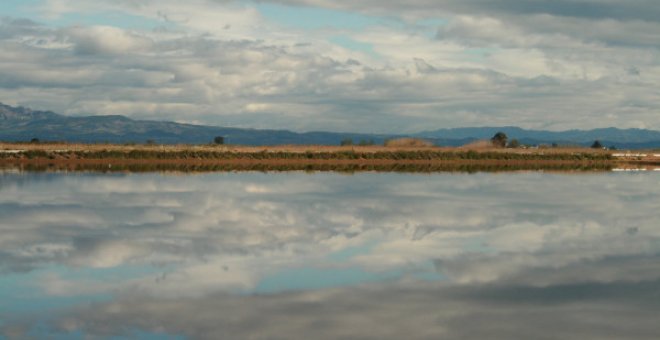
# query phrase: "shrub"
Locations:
[[499, 139], [597, 145]]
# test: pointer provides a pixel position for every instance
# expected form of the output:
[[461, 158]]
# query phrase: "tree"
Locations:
[[219, 140], [597, 145], [514, 143], [35, 141], [346, 142], [499, 139]]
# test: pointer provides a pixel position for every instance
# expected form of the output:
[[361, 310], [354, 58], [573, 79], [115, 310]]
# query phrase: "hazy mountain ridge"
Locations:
[[22, 124], [625, 136]]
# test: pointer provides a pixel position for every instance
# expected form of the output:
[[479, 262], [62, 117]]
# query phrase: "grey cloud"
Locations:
[[550, 268], [591, 9], [12, 27], [549, 32], [636, 9], [581, 311], [106, 40], [424, 67]]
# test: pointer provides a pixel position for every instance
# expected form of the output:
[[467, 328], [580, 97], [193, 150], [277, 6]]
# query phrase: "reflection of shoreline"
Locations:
[[408, 166], [634, 169]]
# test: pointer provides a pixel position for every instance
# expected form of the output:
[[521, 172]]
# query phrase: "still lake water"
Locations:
[[327, 256]]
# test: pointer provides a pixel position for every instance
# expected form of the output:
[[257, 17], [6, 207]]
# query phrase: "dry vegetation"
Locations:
[[400, 156], [478, 145], [404, 144], [398, 150], [408, 143]]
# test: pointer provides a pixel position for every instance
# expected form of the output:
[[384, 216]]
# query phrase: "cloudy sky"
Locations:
[[359, 65]]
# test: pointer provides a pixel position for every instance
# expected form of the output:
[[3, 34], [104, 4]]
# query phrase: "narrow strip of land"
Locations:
[[73, 156]]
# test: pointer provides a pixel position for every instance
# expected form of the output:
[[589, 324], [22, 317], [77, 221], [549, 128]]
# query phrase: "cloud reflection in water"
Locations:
[[369, 256]]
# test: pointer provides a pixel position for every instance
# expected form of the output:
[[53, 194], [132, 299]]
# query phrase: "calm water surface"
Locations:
[[327, 256]]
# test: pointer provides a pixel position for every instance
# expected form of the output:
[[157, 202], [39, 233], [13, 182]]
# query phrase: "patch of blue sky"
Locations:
[[30, 9], [30, 305], [339, 273], [18, 8], [354, 45], [311, 278], [113, 273], [351, 252], [42, 331], [25, 300], [19, 293]]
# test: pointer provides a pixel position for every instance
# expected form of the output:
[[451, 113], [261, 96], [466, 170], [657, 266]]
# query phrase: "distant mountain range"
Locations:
[[22, 124], [621, 138]]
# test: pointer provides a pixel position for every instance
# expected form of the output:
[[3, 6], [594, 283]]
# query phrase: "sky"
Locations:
[[376, 66]]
